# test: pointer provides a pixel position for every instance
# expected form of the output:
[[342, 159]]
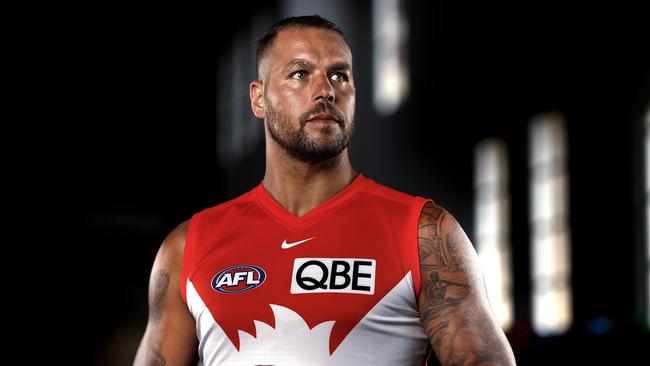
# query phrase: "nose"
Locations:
[[324, 89]]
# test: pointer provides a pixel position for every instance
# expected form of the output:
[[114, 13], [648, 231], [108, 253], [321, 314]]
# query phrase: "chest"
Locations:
[[327, 272]]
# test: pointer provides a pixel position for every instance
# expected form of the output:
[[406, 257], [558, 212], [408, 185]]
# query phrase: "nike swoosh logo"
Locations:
[[286, 245]]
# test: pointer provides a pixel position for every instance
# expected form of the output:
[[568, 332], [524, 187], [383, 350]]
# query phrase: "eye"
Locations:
[[339, 77], [300, 75]]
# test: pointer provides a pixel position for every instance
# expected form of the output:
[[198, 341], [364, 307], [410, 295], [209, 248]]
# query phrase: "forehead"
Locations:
[[312, 44]]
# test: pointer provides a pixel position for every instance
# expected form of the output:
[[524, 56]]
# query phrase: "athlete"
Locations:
[[318, 264]]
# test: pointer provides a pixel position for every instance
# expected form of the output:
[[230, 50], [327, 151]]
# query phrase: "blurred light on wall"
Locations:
[[492, 215], [238, 131], [647, 209], [390, 66], [551, 249]]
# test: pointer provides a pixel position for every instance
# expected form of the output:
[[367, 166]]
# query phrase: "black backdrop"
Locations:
[[127, 149]]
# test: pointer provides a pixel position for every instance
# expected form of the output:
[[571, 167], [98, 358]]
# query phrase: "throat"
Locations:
[[300, 195]]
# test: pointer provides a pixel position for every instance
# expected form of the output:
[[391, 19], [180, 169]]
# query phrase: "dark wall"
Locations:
[[135, 146], [484, 72]]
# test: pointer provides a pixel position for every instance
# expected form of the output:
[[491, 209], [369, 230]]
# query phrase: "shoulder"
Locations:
[[386, 193], [433, 212], [232, 207], [437, 221], [179, 232], [444, 245], [173, 245]]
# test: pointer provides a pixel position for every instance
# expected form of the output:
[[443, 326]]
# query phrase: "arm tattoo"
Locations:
[[155, 358], [160, 285], [450, 308]]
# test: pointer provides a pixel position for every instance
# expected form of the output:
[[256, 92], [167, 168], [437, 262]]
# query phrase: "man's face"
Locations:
[[309, 94]]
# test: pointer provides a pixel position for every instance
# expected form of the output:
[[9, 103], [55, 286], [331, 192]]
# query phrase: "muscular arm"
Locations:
[[170, 337], [453, 304]]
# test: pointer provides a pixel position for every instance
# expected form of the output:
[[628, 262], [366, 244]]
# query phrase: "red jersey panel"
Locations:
[[337, 285]]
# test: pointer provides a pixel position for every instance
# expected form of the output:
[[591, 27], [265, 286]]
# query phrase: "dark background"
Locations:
[[131, 147]]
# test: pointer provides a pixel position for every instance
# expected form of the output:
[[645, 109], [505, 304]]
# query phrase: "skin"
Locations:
[[305, 67], [304, 70], [453, 303], [170, 337]]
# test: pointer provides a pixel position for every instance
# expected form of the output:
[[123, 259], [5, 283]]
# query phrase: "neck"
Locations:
[[299, 186]]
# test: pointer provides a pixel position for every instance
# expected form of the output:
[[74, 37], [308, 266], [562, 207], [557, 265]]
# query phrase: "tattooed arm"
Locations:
[[453, 304], [170, 337]]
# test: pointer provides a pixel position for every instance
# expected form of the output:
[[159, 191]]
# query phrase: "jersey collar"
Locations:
[[287, 218]]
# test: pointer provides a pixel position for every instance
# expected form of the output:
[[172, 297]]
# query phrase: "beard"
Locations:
[[300, 144]]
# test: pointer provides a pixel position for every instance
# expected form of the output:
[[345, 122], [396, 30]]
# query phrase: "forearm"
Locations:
[[461, 333], [475, 341], [149, 353]]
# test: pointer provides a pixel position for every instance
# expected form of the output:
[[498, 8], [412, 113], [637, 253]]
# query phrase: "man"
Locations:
[[317, 264]]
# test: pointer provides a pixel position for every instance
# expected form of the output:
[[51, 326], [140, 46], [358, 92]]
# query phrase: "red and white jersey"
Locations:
[[336, 286]]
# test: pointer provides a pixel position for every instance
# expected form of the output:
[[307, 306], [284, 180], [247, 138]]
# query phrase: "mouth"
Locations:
[[324, 118]]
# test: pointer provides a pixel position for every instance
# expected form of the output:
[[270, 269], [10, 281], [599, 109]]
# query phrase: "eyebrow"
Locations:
[[302, 63], [297, 63], [341, 66]]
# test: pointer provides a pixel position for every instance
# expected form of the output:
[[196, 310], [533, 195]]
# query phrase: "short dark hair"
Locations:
[[315, 21]]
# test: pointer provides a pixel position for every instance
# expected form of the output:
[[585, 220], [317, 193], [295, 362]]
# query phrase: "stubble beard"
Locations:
[[299, 144]]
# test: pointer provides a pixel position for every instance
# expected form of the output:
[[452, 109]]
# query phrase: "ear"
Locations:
[[256, 92]]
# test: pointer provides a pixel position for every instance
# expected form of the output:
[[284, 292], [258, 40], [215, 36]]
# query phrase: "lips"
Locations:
[[324, 121], [324, 118]]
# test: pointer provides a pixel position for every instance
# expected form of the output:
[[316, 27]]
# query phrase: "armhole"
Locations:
[[186, 268], [414, 219]]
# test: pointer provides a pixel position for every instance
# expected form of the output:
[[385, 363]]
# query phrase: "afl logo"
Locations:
[[237, 279]]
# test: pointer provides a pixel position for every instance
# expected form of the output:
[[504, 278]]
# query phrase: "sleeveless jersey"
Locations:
[[336, 286]]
